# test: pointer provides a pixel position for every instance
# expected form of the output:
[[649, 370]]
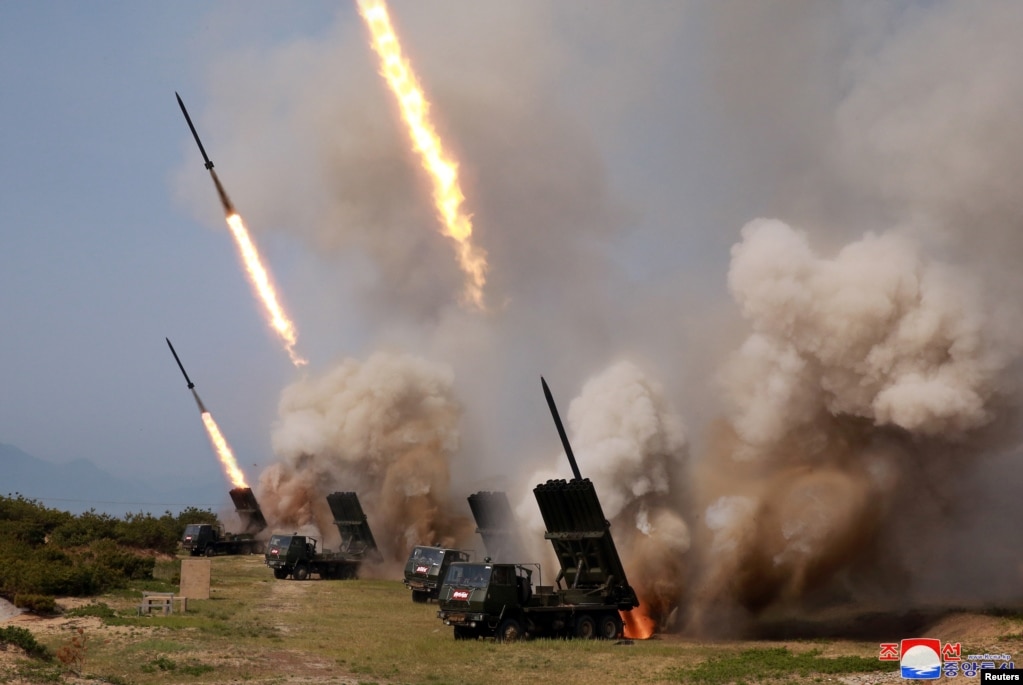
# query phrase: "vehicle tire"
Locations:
[[585, 627], [466, 633], [301, 572], [210, 551], [420, 596], [610, 626], [509, 630], [280, 573]]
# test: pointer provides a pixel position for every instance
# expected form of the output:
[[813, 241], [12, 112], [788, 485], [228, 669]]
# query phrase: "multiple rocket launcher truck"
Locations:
[[499, 599], [427, 567], [204, 539], [296, 555]]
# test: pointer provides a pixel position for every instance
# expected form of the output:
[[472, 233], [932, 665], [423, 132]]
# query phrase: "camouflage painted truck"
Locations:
[[296, 555], [204, 539], [500, 600]]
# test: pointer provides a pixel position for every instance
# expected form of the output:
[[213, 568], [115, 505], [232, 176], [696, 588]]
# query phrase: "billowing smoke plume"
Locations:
[[864, 372], [608, 166], [628, 440], [385, 428]]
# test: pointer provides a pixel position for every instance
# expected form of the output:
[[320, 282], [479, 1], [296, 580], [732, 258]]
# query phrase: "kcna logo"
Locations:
[[921, 658], [925, 658]]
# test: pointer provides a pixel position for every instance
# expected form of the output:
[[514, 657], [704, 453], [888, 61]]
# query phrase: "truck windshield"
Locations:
[[279, 542], [468, 575], [192, 530], [427, 555]]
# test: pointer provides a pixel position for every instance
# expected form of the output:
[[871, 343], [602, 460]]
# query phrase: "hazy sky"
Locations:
[[611, 153], [103, 254]]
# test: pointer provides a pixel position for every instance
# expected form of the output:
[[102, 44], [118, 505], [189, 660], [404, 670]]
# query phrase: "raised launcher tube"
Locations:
[[591, 569], [494, 523], [356, 537], [590, 566], [248, 510]]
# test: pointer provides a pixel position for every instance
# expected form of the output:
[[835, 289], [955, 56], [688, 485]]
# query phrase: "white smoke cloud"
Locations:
[[631, 444], [386, 428], [877, 332]]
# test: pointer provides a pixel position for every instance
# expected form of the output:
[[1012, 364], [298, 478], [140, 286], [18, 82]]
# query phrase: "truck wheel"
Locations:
[[301, 572], [509, 630], [420, 596], [210, 551], [280, 573], [585, 627], [610, 626]]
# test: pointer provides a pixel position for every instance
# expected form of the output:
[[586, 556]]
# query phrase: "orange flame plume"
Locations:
[[638, 624], [443, 170], [224, 453], [260, 280]]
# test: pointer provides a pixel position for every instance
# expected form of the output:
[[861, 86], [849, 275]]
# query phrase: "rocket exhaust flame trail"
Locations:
[[443, 170], [260, 280], [254, 268], [224, 453], [220, 446]]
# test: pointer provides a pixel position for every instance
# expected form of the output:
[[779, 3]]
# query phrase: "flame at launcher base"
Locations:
[[224, 453], [260, 280], [638, 624], [443, 170]]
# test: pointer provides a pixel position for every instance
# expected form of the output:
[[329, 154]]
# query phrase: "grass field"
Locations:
[[256, 629]]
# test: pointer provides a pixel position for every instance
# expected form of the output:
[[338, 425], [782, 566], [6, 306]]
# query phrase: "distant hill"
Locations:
[[79, 485]]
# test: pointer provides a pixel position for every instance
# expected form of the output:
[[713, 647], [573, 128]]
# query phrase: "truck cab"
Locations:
[[199, 538], [425, 570], [290, 554], [485, 599]]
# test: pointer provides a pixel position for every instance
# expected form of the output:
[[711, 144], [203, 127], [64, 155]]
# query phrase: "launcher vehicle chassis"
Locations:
[[499, 601], [296, 556]]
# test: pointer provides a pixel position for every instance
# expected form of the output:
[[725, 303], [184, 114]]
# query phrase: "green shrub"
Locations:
[[99, 610], [20, 637], [43, 605], [84, 529], [50, 552]]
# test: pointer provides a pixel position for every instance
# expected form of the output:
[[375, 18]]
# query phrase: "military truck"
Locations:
[[296, 556], [590, 590], [425, 569], [204, 539], [500, 600]]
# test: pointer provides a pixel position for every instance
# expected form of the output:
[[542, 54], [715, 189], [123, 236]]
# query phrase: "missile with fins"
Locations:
[[205, 157], [180, 365], [191, 385], [224, 199], [561, 430]]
